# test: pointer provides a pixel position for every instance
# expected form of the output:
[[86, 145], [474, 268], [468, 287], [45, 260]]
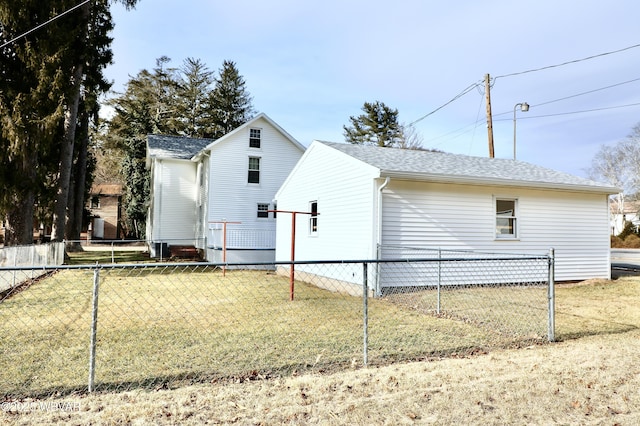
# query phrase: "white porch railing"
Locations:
[[244, 238]]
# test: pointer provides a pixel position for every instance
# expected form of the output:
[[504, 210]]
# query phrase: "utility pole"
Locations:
[[487, 91]]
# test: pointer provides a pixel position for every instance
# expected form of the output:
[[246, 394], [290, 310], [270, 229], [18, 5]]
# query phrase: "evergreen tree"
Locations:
[[31, 111], [193, 112], [230, 101], [88, 36], [174, 102], [42, 77], [377, 126], [98, 56], [147, 106]]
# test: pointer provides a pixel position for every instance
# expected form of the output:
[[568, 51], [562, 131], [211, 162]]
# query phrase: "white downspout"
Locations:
[[378, 242], [379, 216]]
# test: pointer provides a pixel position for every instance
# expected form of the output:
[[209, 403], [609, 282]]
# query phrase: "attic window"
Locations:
[[254, 138], [506, 219]]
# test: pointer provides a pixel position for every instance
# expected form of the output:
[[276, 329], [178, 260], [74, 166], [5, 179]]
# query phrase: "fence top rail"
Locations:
[[452, 250], [156, 265], [120, 241], [21, 246]]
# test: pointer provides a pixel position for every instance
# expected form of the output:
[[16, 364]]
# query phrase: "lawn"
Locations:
[[105, 256], [303, 348], [167, 326]]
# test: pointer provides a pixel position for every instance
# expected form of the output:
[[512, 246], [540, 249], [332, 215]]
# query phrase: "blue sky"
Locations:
[[312, 65]]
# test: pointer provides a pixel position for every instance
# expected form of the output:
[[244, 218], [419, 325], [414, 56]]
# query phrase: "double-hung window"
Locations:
[[313, 218], [506, 218], [254, 138], [254, 170], [263, 210]]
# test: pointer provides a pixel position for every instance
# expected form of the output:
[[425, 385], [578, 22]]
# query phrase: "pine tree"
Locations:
[[31, 111], [43, 75], [193, 112], [147, 106], [377, 126], [86, 32], [175, 102], [230, 101]]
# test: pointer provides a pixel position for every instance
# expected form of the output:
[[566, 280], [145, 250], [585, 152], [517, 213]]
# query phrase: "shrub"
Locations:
[[616, 242], [632, 241], [629, 229]]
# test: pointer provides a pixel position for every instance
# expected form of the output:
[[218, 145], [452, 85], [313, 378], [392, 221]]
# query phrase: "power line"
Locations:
[[588, 92], [576, 95], [45, 23], [474, 85], [568, 62], [465, 129], [527, 117], [459, 95]]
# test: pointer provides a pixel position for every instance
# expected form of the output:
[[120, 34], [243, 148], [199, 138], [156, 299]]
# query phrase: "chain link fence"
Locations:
[[157, 325]]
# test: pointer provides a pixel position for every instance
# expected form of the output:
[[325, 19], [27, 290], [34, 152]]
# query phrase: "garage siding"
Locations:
[[450, 216], [345, 200]]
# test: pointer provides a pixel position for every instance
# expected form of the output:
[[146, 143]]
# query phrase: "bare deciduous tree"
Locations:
[[619, 165]]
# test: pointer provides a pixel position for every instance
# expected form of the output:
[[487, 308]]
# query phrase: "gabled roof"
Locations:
[[186, 148], [455, 168], [177, 147], [252, 122]]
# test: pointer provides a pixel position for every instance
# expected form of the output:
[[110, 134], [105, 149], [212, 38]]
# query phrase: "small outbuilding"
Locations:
[[371, 202], [105, 202]]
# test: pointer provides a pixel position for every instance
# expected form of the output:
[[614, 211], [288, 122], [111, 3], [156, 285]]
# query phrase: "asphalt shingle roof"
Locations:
[[178, 147], [440, 165]]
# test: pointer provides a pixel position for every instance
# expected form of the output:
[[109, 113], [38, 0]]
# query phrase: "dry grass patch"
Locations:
[[597, 307], [592, 380], [233, 330], [90, 257], [172, 326]]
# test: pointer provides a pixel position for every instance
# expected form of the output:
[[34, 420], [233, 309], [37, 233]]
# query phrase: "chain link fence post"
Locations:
[[439, 279], [94, 327], [552, 295], [365, 303]]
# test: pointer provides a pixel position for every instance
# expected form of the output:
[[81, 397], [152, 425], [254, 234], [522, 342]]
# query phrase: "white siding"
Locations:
[[201, 203], [452, 216], [174, 203], [231, 197], [345, 191]]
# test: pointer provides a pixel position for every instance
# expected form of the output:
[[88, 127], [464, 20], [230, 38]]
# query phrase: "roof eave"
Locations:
[[473, 180]]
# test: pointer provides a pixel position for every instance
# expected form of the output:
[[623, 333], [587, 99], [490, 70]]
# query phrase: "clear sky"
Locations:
[[312, 65]]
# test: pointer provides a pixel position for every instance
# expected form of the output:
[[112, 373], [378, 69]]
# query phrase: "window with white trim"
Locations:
[[313, 218], [254, 170], [263, 210], [506, 218], [254, 138]]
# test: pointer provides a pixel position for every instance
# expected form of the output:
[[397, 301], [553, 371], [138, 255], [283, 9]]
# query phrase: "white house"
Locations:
[[199, 187], [627, 211], [370, 201]]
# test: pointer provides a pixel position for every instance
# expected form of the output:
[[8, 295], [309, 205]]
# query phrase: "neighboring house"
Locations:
[[104, 203], [370, 199], [630, 212], [198, 184]]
